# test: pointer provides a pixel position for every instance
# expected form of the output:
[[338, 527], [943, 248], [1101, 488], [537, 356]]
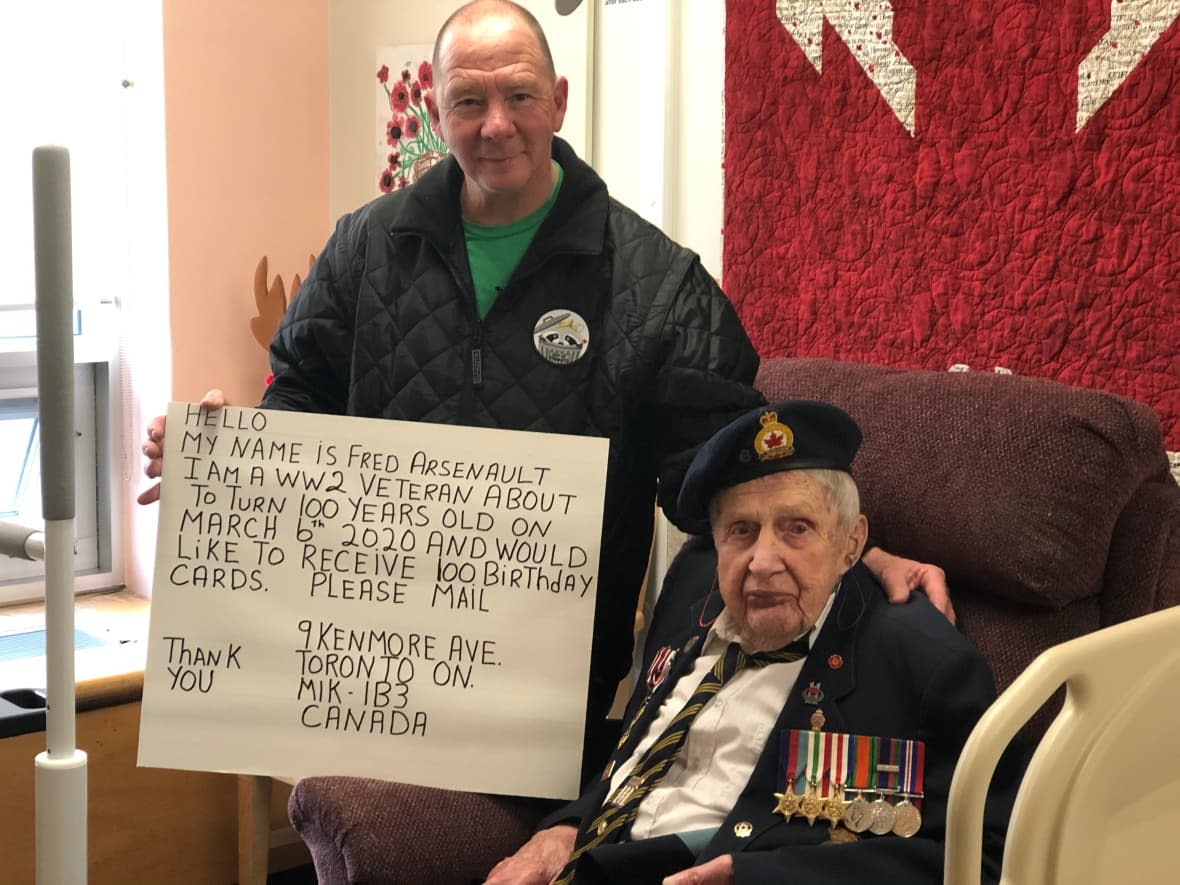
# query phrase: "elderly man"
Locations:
[[507, 289], [793, 727]]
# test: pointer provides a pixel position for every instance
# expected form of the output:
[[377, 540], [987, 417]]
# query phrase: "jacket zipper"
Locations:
[[468, 405], [477, 356]]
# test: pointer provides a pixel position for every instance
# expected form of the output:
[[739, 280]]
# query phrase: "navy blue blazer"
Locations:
[[896, 671]]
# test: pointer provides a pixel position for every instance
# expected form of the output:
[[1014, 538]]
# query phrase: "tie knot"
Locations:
[[785, 655]]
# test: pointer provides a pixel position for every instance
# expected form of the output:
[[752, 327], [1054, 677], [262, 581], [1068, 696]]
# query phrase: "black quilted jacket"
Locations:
[[386, 326]]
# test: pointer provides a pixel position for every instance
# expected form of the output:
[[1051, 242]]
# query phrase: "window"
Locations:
[[64, 84], [97, 556], [18, 449]]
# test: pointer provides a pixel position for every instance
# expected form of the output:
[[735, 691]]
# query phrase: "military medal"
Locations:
[[862, 770], [820, 769], [788, 805], [837, 772], [882, 811], [793, 766], [660, 665], [833, 808], [881, 816], [907, 820], [858, 814], [811, 804]]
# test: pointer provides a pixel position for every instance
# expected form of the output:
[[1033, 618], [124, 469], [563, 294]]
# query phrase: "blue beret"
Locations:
[[791, 435]]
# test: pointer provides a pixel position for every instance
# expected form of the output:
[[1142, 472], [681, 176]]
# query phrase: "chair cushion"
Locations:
[[1013, 485], [374, 831]]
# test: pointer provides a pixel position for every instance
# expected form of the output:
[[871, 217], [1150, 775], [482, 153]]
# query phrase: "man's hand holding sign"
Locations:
[[350, 596]]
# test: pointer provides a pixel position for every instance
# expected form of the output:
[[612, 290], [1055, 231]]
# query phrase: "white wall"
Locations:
[[658, 114], [147, 348], [61, 71]]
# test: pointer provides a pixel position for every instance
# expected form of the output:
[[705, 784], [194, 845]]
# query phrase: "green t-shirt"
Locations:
[[493, 251]]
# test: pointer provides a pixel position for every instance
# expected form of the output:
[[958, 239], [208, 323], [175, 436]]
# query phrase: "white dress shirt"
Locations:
[[723, 743]]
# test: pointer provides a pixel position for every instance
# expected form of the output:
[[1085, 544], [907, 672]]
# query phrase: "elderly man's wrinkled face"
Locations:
[[780, 554]]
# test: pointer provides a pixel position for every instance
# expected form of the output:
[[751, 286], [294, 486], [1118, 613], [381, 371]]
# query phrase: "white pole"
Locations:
[[61, 769]]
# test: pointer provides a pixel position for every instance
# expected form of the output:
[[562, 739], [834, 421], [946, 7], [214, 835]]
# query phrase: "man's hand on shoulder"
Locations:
[[538, 861], [718, 871], [900, 577], [153, 449]]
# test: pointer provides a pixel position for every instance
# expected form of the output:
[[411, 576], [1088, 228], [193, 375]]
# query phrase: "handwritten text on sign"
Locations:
[[357, 596]]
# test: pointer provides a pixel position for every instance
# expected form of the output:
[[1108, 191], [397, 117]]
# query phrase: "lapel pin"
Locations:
[[813, 694]]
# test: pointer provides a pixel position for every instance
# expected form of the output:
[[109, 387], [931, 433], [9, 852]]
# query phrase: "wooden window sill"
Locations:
[[107, 675]]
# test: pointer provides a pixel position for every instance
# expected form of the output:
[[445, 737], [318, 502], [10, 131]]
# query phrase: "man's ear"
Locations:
[[432, 111], [857, 536], [561, 95]]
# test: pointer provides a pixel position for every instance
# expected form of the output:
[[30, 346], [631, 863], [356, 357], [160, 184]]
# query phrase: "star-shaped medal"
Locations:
[[788, 805]]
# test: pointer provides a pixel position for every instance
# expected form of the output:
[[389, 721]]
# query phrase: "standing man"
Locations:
[[507, 289]]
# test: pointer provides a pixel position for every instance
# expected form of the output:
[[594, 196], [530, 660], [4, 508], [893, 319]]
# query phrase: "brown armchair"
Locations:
[[1051, 508]]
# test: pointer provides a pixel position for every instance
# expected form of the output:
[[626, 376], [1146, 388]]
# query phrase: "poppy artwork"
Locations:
[[407, 143]]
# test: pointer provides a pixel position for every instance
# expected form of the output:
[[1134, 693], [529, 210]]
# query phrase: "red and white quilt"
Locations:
[[986, 182]]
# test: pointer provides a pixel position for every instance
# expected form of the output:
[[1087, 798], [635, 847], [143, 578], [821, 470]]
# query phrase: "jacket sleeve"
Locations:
[[954, 699], [311, 353], [573, 813], [704, 371]]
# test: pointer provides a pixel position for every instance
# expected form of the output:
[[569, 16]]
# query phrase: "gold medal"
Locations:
[[811, 805], [788, 805], [833, 808]]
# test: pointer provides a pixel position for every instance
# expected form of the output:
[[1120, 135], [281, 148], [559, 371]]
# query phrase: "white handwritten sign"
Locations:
[[389, 599]]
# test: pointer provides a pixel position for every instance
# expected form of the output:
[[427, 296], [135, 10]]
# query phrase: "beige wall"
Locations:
[[356, 29], [246, 118]]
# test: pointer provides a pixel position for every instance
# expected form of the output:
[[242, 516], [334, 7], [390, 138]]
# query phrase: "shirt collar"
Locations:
[[725, 630]]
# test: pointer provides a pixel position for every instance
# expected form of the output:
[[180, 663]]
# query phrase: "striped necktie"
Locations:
[[613, 822]]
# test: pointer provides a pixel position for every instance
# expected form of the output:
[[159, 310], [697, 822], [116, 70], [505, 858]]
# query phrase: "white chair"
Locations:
[[1100, 801]]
